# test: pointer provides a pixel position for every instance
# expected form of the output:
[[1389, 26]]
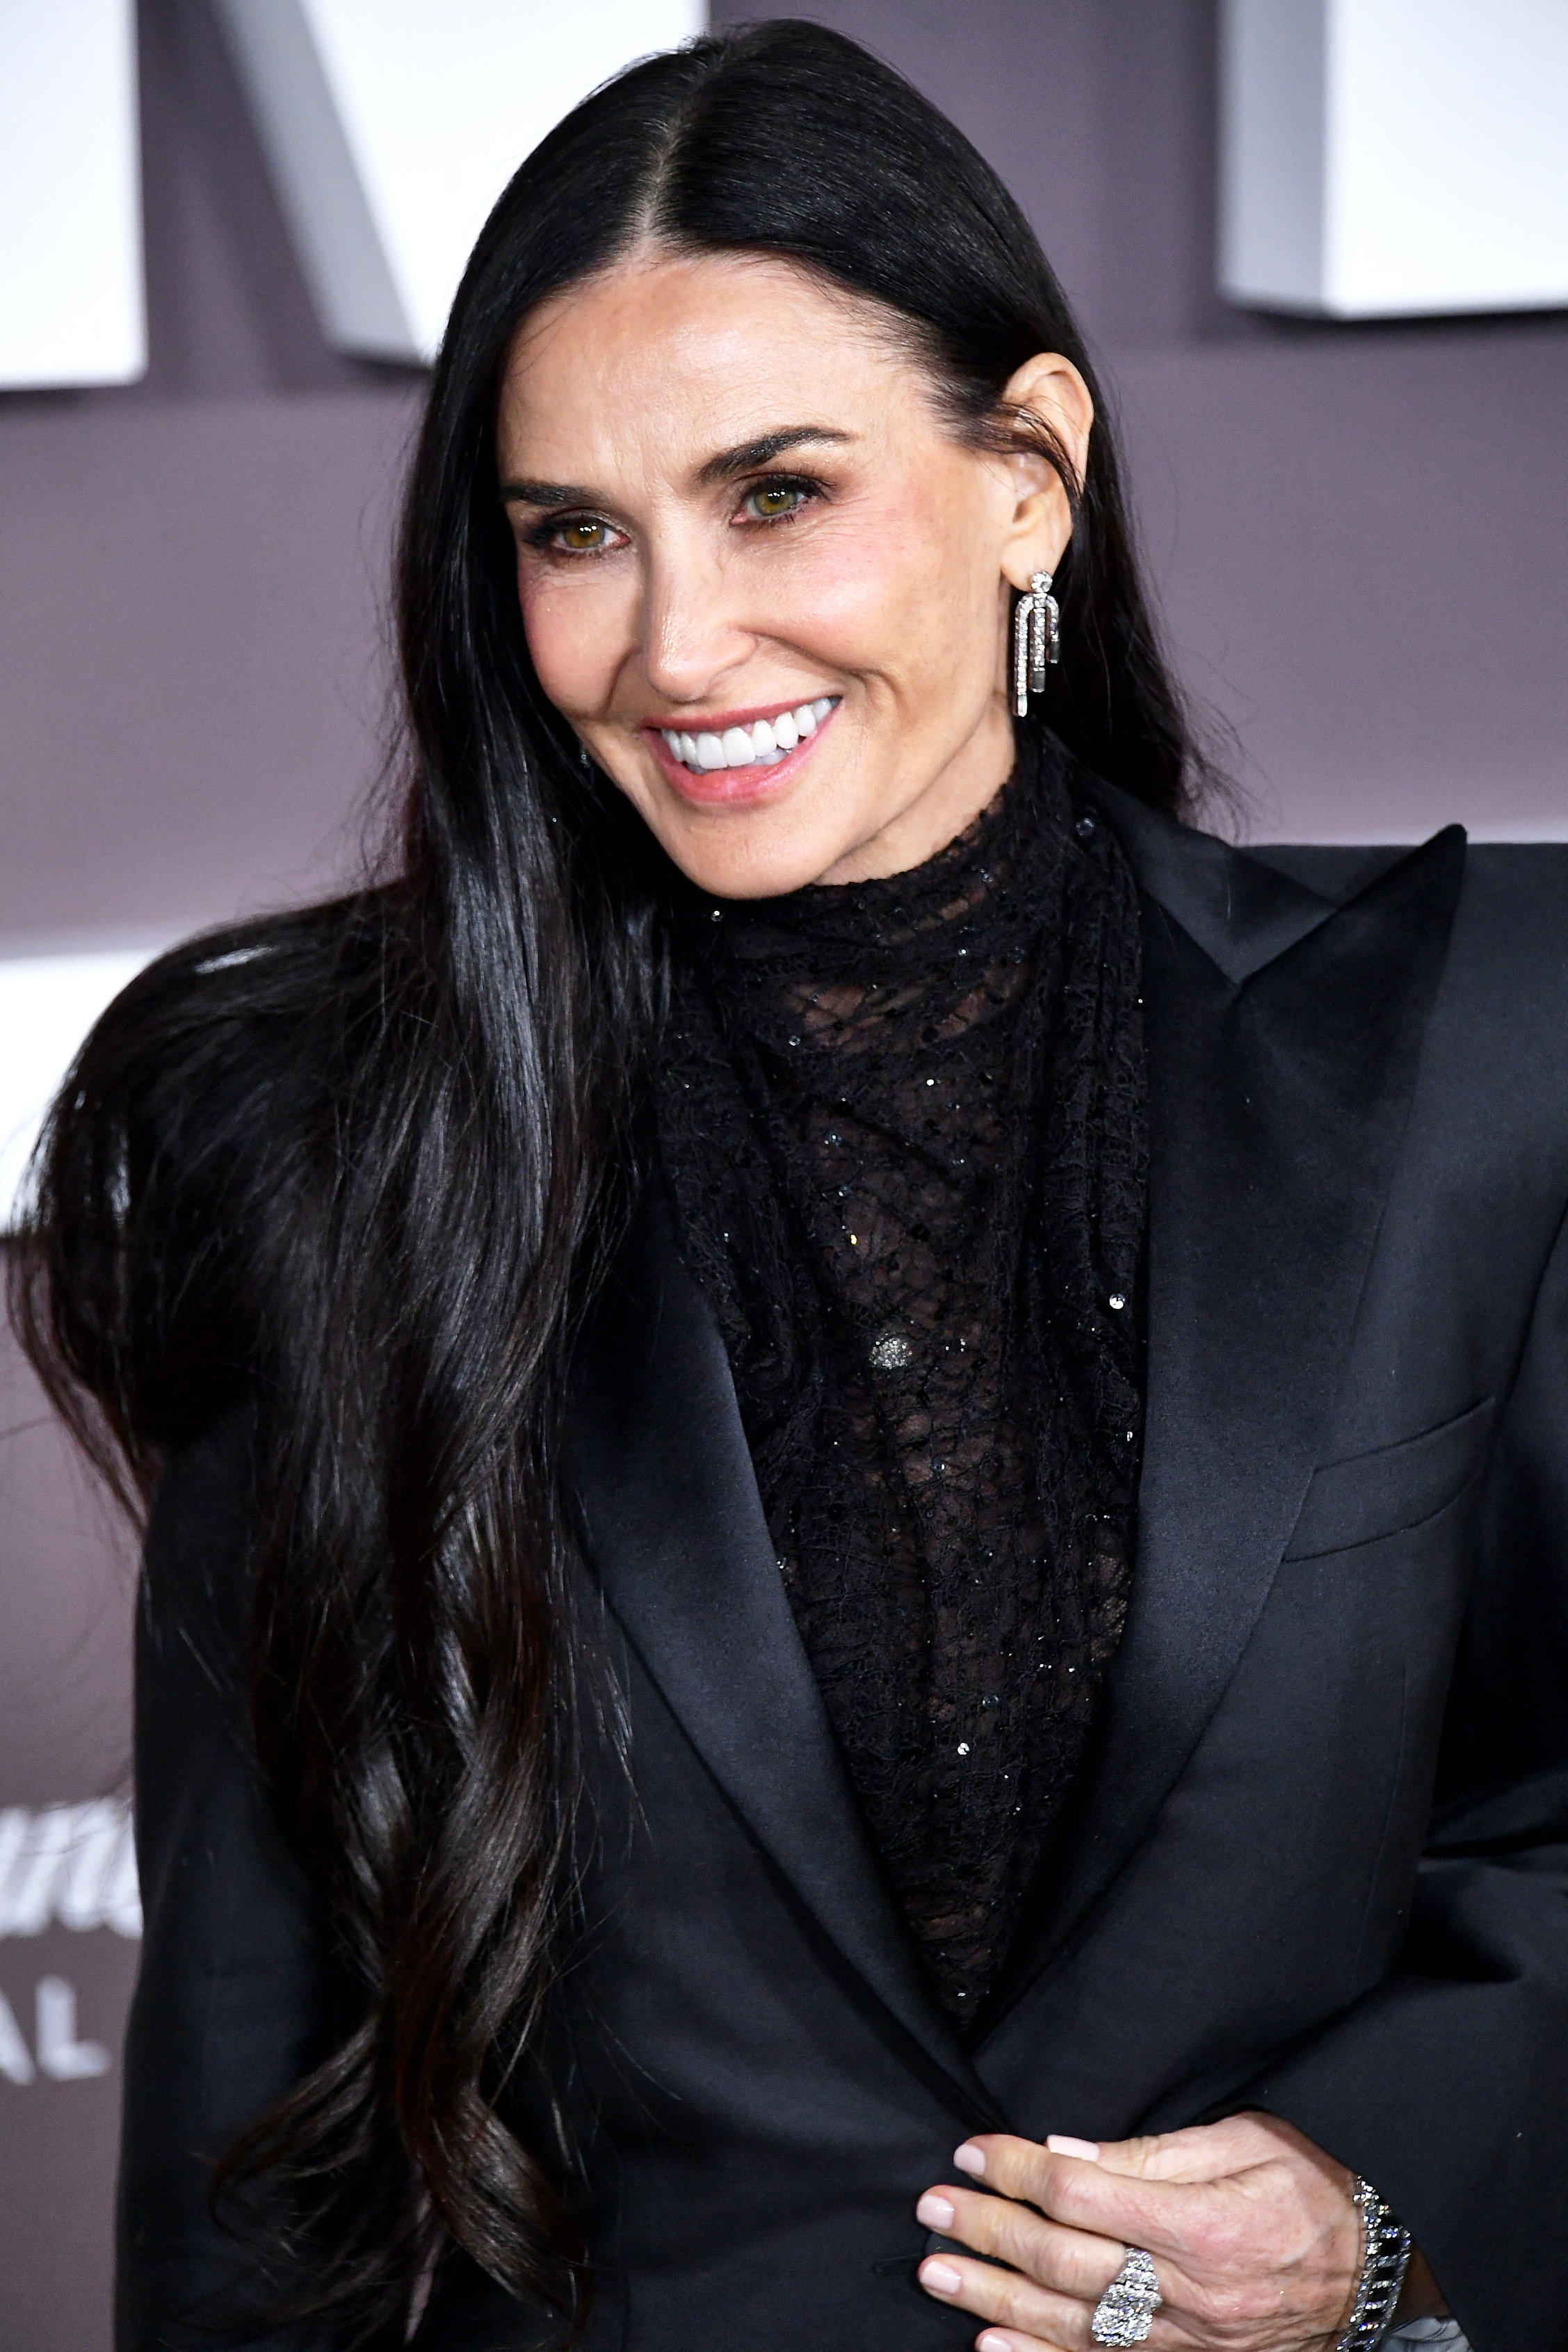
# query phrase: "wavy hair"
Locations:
[[364, 1164]]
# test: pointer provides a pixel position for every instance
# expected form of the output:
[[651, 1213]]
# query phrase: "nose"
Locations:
[[694, 637]]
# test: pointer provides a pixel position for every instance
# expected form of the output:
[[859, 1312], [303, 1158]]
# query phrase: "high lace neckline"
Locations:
[[903, 1124]]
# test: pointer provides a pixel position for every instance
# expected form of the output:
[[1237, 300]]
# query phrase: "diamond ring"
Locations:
[[1123, 2313]]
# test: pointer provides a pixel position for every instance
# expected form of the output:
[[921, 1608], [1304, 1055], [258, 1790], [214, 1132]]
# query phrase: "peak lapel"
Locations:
[[658, 1459], [1284, 1032]]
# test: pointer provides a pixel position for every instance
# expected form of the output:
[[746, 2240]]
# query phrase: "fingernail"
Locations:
[[970, 2159], [941, 2278], [989, 2342], [1062, 2143], [935, 2211]]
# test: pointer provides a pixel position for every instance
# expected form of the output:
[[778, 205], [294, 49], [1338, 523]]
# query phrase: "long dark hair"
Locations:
[[362, 1165]]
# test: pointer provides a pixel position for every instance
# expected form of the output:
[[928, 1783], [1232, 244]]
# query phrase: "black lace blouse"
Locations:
[[903, 1122]]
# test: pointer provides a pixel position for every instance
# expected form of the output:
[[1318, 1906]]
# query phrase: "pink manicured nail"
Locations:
[[941, 2278], [971, 2159], [935, 2211], [989, 2342], [1062, 2143]]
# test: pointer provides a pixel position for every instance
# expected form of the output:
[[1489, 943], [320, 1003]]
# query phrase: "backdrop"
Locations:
[[1361, 539]]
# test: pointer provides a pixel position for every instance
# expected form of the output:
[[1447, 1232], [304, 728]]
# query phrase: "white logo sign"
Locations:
[[61, 2057], [69, 1866], [72, 299]]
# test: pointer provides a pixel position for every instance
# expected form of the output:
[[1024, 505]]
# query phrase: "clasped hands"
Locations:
[[1255, 2241]]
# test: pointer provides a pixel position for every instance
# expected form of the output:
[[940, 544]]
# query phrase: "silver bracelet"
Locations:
[[1384, 2259]]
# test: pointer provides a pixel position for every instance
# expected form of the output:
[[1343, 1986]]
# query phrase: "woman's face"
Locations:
[[759, 574]]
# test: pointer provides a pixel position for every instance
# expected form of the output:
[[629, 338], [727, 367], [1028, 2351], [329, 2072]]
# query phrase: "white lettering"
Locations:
[[61, 2055], [74, 1865], [39, 1846], [16, 2060]]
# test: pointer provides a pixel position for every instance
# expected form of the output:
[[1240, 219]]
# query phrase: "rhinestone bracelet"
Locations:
[[1384, 2258]]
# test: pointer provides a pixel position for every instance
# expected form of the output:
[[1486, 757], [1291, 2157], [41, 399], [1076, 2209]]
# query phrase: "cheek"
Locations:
[[893, 597], [843, 599], [844, 596], [569, 630]]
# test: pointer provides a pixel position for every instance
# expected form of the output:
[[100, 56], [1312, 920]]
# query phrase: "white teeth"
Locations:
[[763, 743]]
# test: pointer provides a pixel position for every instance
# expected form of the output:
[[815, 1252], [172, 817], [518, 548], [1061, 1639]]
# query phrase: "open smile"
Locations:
[[751, 742]]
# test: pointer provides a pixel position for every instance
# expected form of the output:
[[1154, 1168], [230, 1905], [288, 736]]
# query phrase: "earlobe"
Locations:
[[1042, 527]]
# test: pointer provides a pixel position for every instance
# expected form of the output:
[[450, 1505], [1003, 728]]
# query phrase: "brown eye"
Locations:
[[584, 534]]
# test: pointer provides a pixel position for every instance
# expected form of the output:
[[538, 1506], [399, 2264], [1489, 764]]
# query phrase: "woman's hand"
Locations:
[[1256, 2244]]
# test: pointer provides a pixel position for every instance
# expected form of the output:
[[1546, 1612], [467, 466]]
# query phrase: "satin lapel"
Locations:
[[675, 1529], [1280, 1076]]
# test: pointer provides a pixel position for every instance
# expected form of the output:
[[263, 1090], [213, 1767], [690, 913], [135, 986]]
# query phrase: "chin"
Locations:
[[763, 847], [738, 867]]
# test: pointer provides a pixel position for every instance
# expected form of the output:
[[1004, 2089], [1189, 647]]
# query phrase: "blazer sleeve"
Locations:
[[1447, 2085], [234, 2000]]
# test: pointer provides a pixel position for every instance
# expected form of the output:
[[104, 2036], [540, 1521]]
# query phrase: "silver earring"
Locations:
[[1037, 641]]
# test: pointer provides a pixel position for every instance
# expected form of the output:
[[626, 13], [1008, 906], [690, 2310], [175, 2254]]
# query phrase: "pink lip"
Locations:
[[732, 787]]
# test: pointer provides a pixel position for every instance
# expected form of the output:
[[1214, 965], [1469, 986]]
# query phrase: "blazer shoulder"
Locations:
[[1335, 871], [1509, 942], [1505, 987], [1529, 878], [1522, 874], [1510, 939]]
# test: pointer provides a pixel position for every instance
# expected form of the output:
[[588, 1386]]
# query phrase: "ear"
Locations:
[[1051, 388]]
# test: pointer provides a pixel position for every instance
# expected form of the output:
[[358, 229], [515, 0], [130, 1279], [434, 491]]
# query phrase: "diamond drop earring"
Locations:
[[1037, 641]]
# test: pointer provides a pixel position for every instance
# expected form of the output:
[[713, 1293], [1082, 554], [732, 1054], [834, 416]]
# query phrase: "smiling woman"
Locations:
[[852, 1445], [858, 601]]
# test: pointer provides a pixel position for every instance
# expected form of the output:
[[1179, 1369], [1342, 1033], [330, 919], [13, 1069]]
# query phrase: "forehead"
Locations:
[[683, 353]]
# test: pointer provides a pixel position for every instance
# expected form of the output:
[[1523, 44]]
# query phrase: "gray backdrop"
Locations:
[[1361, 536]]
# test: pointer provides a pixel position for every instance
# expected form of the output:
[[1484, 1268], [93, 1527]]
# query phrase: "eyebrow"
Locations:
[[545, 494], [749, 455], [744, 458]]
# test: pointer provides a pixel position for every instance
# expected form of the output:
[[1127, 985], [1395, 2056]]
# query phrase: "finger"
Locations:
[[1013, 2303], [997, 2339], [1122, 2206], [1202, 2152], [1068, 2262]]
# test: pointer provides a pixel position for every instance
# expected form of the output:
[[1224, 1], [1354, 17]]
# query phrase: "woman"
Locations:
[[847, 1431]]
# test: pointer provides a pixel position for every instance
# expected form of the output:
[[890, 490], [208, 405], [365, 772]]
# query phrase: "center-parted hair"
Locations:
[[353, 1173]]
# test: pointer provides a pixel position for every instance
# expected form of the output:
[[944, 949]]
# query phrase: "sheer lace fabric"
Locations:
[[903, 1123]]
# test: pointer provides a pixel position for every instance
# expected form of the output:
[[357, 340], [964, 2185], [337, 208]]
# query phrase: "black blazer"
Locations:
[[1320, 1866]]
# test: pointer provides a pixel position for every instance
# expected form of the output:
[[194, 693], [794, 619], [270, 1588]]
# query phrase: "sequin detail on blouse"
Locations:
[[903, 1123]]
